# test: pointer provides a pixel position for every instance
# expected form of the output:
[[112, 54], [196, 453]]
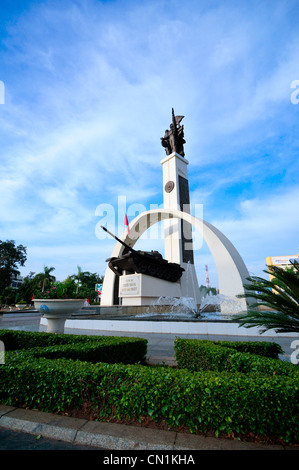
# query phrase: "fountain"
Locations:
[[213, 307], [220, 306], [171, 308], [177, 308]]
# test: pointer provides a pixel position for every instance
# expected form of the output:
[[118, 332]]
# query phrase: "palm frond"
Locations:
[[280, 295]]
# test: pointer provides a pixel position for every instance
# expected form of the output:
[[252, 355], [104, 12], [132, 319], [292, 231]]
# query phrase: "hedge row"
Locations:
[[110, 349], [261, 348], [198, 355], [18, 339], [113, 350], [263, 402], [238, 403]]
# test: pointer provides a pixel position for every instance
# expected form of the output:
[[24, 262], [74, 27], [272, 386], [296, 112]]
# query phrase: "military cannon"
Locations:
[[143, 262]]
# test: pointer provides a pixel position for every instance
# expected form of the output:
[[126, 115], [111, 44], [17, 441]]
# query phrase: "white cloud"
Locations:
[[266, 226], [66, 258], [89, 91]]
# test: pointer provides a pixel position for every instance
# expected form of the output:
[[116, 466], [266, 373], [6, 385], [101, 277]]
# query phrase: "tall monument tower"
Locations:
[[178, 233], [143, 287]]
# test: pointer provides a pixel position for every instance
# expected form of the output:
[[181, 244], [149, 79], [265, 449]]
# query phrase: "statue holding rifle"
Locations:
[[173, 140]]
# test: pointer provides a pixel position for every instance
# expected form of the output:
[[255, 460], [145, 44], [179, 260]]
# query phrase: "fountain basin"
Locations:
[[190, 327], [56, 311]]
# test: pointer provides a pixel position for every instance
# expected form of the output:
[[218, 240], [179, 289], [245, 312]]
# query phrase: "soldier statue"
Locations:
[[173, 140]]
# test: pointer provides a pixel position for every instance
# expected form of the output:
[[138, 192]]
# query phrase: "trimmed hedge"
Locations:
[[261, 348], [110, 349], [18, 339], [199, 355], [113, 350], [238, 403], [264, 401]]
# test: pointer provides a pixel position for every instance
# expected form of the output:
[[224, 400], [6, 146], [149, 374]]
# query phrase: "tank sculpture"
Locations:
[[143, 262]]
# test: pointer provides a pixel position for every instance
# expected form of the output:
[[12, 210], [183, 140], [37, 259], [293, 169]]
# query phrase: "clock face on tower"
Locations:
[[169, 186]]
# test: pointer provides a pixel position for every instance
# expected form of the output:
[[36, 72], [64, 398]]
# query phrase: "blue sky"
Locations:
[[89, 87]]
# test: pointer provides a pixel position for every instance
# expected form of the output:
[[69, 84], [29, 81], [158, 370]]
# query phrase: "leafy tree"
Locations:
[[86, 282], [45, 278], [8, 296], [88, 285], [79, 277], [11, 258], [28, 287], [280, 294], [91, 279]]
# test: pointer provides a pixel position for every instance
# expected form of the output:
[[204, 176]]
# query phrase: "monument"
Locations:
[[173, 140], [128, 284], [178, 232]]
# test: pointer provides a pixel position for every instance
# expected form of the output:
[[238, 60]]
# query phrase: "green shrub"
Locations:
[[196, 355], [250, 363], [109, 350], [17, 339], [201, 401], [83, 347], [261, 348], [221, 396]]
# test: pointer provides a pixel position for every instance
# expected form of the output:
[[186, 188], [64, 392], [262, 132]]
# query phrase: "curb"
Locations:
[[111, 436]]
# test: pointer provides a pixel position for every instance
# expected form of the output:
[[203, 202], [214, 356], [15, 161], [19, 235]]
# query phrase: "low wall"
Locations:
[[228, 328]]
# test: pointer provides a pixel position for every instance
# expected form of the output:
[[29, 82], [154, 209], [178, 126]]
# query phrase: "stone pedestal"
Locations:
[[56, 311], [140, 289], [55, 324]]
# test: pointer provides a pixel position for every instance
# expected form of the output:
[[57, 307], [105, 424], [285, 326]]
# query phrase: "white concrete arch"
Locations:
[[232, 272]]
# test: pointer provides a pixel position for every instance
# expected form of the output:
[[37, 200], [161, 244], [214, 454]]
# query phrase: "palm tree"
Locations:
[[79, 277], [45, 277], [280, 295]]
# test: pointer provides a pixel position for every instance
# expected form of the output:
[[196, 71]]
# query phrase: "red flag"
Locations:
[[127, 223], [32, 297]]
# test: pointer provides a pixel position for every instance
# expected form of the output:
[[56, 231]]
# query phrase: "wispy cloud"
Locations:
[[266, 226], [89, 88]]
